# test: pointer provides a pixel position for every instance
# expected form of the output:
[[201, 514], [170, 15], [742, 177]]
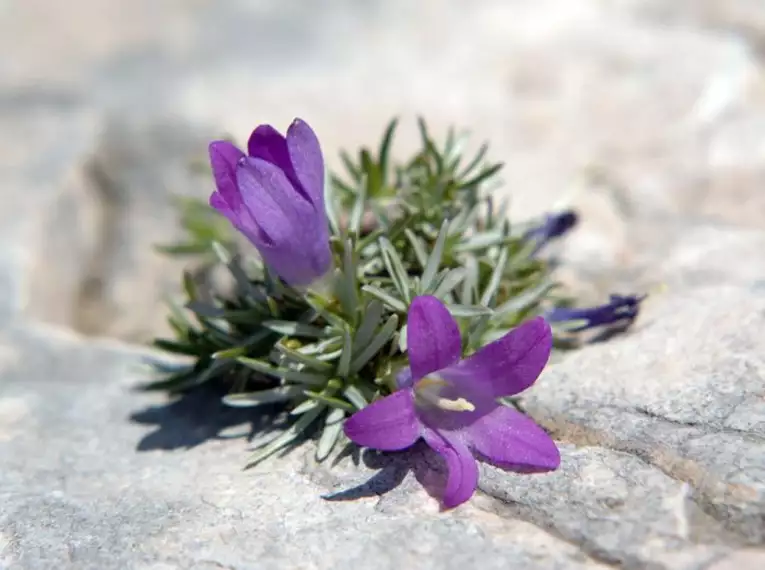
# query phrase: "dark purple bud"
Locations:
[[274, 195], [621, 309], [553, 227]]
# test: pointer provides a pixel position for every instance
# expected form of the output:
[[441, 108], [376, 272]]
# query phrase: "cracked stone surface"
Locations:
[[647, 116]]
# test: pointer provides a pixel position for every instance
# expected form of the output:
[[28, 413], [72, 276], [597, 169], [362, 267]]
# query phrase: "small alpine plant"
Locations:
[[391, 303]]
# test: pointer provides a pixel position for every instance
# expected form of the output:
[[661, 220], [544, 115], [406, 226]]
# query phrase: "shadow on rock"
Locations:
[[392, 468], [197, 416]]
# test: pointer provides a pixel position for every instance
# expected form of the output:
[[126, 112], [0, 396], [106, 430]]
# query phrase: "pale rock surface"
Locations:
[[647, 116]]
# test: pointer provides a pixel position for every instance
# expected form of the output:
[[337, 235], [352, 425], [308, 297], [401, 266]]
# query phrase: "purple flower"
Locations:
[[620, 309], [553, 227], [452, 403], [274, 195]]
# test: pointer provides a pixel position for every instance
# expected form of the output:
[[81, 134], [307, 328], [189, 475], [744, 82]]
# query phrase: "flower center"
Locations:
[[428, 390]]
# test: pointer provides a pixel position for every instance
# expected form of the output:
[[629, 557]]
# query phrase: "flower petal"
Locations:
[[292, 237], [509, 365], [389, 424], [462, 478], [224, 157], [433, 337], [509, 440], [307, 161], [269, 144], [219, 203]]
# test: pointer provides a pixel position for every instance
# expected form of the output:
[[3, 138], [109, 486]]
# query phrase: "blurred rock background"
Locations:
[[648, 116]]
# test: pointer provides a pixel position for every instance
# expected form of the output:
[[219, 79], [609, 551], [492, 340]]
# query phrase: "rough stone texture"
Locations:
[[106, 224], [76, 494], [646, 115], [685, 393]]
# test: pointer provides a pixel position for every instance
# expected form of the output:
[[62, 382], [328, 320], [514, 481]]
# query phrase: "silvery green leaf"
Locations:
[[331, 343], [320, 305], [469, 294], [469, 311], [345, 356], [402, 339], [448, 282], [306, 406], [395, 268], [331, 401], [374, 346], [486, 173], [524, 300], [342, 292], [372, 267], [220, 251], [288, 374], [348, 293], [475, 162], [289, 356], [492, 335], [270, 396], [291, 328], [385, 146], [359, 206], [355, 397], [330, 356], [369, 322], [393, 303], [466, 221], [243, 282], [330, 203], [289, 435], [477, 330], [333, 427], [496, 278], [483, 241], [434, 261], [418, 247]]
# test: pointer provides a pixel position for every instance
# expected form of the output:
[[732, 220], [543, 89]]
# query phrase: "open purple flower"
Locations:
[[452, 403], [622, 309], [553, 227], [274, 195]]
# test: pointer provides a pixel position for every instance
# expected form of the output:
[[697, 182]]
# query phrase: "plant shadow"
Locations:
[[190, 419], [392, 468]]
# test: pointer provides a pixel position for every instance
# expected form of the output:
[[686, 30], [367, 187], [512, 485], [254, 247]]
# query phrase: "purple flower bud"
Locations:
[[554, 226], [274, 195], [620, 309]]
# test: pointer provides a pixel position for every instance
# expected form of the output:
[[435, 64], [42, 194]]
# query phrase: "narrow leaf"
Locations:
[[434, 261], [369, 322], [333, 427], [289, 435], [283, 373], [377, 342], [496, 278], [270, 396], [389, 300], [469, 311], [291, 328], [395, 268], [355, 397], [344, 364], [335, 403], [449, 282]]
